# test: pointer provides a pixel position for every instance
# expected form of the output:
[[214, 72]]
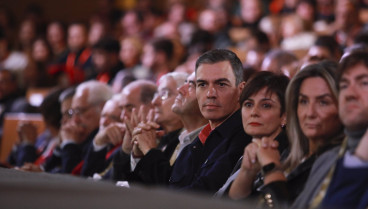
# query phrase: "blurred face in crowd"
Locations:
[[96, 32], [85, 114], [353, 97], [261, 114], [317, 110], [164, 100], [131, 24], [27, 32], [217, 92], [41, 52], [148, 56], [100, 60], [130, 51], [110, 113], [208, 21], [186, 100], [77, 37], [251, 10], [55, 34]]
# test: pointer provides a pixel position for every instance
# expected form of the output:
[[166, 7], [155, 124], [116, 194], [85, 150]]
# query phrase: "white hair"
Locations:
[[179, 77], [98, 92]]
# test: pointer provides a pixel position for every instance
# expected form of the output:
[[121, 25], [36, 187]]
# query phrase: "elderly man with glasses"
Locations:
[[78, 133]]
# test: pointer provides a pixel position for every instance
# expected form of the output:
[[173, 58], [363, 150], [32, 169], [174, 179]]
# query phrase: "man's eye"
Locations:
[[201, 84]]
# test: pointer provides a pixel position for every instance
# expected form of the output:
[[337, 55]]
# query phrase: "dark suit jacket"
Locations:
[[24, 153], [97, 162], [153, 160], [206, 167], [283, 193], [73, 154], [154, 167]]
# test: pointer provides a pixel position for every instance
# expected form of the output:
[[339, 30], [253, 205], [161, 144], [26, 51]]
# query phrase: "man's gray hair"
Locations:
[[98, 92], [179, 77]]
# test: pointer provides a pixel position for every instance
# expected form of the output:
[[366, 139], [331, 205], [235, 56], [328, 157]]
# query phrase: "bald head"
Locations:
[[135, 94]]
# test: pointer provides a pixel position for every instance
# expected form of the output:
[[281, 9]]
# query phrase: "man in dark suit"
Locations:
[[107, 143], [143, 154], [107, 140], [155, 167], [78, 133], [206, 163]]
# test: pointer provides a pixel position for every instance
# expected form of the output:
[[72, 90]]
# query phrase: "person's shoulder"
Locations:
[[326, 160]]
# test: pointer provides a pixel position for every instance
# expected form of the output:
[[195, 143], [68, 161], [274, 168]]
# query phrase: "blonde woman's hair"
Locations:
[[299, 144]]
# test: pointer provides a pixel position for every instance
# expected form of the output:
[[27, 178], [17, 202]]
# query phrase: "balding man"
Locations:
[[134, 95]]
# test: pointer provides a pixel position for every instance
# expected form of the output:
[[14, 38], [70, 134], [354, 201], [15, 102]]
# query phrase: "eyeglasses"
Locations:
[[78, 111], [163, 95]]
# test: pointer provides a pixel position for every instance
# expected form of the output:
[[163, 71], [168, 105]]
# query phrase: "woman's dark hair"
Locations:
[[275, 84]]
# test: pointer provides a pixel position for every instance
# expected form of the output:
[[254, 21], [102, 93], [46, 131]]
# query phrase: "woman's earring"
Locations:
[[283, 125]]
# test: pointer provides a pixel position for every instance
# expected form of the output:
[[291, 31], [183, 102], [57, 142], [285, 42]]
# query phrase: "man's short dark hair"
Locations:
[[220, 55], [350, 60]]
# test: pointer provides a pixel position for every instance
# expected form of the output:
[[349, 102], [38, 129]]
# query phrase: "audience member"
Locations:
[[280, 62], [147, 169], [77, 134], [56, 36], [156, 57], [324, 48], [14, 61], [30, 147], [130, 54], [107, 140], [105, 58], [347, 24], [209, 21], [205, 164], [338, 177], [26, 35], [263, 114], [11, 99], [134, 95], [76, 63], [313, 127], [52, 163], [295, 35]]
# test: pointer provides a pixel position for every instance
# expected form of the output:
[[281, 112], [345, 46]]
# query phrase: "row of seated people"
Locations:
[[298, 144]]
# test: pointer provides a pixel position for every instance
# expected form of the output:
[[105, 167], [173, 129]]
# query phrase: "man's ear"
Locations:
[[241, 86]]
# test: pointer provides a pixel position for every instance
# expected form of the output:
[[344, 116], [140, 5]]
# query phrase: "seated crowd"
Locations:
[[197, 107]]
